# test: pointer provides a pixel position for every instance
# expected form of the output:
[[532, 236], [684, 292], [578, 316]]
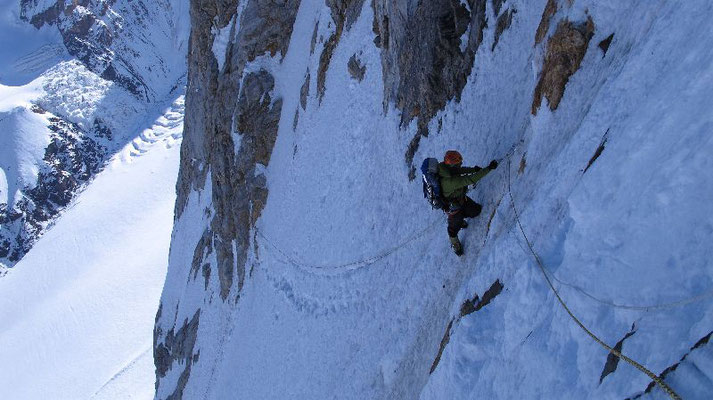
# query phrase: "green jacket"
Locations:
[[455, 180]]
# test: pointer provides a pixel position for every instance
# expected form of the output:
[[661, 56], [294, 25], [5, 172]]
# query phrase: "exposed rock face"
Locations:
[[304, 92], [240, 193], [229, 133], [604, 44], [701, 346], [612, 360], [547, 13], [112, 38], [565, 51], [428, 52], [468, 307]]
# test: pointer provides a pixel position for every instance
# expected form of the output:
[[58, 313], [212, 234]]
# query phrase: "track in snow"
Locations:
[[166, 130]]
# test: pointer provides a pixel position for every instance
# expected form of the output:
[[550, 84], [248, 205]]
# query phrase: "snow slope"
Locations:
[[78, 310], [25, 52], [351, 286]]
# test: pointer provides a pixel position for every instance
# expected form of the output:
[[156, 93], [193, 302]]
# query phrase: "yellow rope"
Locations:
[[638, 366]]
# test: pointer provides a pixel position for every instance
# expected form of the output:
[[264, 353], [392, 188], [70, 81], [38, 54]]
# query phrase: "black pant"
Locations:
[[469, 209]]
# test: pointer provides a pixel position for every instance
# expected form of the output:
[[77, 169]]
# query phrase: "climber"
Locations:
[[454, 180]]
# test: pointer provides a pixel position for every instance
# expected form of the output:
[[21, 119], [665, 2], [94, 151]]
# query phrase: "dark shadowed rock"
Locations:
[[604, 44], [503, 24], [304, 91], [427, 54], [344, 14], [442, 346], [203, 249], [313, 41], [612, 360], [176, 349], [497, 4], [468, 307], [356, 69], [476, 303], [702, 346]]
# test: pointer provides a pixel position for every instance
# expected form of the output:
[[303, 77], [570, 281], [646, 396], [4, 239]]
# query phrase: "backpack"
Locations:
[[432, 184]]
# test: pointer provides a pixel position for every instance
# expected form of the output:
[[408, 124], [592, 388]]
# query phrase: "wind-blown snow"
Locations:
[[78, 310]]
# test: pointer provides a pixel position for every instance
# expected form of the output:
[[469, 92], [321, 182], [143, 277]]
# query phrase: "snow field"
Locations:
[[81, 304]]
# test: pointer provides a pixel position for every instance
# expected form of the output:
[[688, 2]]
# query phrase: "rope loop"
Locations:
[[349, 265]]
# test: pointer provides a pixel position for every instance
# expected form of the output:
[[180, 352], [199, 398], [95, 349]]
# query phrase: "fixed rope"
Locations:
[[663, 306], [617, 353], [349, 265], [654, 307]]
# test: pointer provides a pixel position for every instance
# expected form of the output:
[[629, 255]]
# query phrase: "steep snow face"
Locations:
[[305, 264], [136, 44], [73, 89]]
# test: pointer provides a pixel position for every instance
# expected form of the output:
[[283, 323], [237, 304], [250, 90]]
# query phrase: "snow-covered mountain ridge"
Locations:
[[78, 79], [304, 263]]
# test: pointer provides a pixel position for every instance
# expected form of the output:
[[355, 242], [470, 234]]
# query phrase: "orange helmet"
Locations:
[[452, 157]]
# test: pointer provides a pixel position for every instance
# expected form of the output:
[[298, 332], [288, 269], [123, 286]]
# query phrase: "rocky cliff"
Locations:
[[299, 266]]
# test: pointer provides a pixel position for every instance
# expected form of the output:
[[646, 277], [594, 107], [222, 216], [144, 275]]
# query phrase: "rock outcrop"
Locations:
[[565, 51], [229, 133]]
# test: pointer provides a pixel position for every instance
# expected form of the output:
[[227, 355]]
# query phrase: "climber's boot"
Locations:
[[455, 244]]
